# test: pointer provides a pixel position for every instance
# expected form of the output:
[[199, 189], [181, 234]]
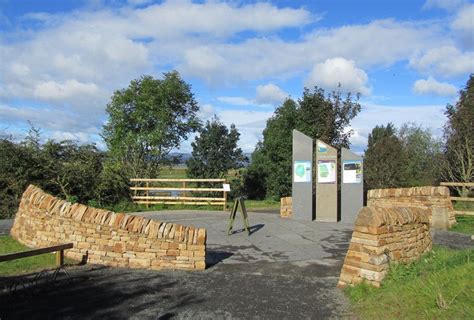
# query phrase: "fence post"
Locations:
[[147, 195]]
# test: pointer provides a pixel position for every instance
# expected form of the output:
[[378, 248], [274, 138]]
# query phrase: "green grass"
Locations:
[[464, 205], [465, 224], [438, 286], [25, 265], [262, 204], [127, 206]]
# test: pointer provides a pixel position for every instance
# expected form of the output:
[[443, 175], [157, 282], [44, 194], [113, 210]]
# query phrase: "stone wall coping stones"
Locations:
[[133, 224]]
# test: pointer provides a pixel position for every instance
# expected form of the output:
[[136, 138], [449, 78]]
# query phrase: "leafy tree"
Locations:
[[271, 161], [316, 115], [459, 138], [384, 159], [326, 118], [147, 120], [423, 154], [72, 170], [215, 151]]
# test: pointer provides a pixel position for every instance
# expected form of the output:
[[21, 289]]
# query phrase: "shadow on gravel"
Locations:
[[100, 292]]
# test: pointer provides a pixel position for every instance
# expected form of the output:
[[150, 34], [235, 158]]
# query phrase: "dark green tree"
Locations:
[[458, 164], [384, 159], [316, 115], [215, 151], [423, 155], [326, 117], [147, 120]]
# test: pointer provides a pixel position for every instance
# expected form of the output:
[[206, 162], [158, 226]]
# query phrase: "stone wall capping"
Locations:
[[109, 238]]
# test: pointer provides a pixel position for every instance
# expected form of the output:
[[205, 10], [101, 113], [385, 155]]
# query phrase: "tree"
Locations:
[[458, 164], [215, 151], [423, 154], [384, 159], [316, 115], [327, 118], [147, 120]]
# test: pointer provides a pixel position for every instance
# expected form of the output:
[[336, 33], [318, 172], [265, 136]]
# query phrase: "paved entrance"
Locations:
[[272, 239], [283, 270]]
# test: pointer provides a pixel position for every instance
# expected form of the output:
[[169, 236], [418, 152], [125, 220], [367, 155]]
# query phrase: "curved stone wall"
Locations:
[[382, 236], [436, 200], [105, 237]]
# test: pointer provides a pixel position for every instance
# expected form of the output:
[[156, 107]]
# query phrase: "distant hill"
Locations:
[[186, 156]]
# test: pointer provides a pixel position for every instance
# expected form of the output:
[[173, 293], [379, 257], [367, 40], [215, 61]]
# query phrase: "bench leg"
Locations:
[[59, 258]]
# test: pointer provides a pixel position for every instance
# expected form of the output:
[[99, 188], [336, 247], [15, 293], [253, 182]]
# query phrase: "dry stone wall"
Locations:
[[382, 236], [105, 237], [286, 210], [436, 200]]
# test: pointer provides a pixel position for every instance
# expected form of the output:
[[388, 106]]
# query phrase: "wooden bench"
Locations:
[[59, 249], [12, 284]]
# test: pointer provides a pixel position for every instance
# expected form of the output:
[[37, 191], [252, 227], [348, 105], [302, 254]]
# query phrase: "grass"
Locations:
[[464, 205], [127, 206], [24, 265], [465, 224], [438, 286]]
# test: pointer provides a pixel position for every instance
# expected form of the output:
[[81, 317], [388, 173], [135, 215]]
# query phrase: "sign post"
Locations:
[[352, 187], [326, 182], [302, 185]]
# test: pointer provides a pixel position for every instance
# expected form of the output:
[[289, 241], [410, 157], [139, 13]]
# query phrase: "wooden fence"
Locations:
[[467, 199], [179, 191]]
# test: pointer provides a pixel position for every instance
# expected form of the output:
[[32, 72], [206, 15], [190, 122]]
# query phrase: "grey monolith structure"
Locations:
[[302, 186], [326, 182], [352, 185]]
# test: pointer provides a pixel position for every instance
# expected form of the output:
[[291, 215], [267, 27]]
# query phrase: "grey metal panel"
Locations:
[[352, 194], [326, 193], [302, 192]]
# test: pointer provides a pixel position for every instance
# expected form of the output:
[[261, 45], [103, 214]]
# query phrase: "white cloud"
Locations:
[[332, 72], [431, 86], [464, 25], [270, 94], [52, 90], [258, 58], [236, 101], [443, 4], [429, 116], [445, 61]]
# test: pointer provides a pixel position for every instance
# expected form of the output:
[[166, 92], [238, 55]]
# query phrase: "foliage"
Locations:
[[384, 159], [25, 265], [423, 155], [316, 115], [438, 286], [459, 135], [215, 151], [77, 173], [147, 120]]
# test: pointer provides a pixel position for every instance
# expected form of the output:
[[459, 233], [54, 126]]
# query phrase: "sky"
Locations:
[[61, 61]]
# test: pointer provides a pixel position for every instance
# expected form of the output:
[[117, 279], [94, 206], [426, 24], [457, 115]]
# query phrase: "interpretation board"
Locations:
[[302, 185], [326, 182], [352, 187], [233, 213]]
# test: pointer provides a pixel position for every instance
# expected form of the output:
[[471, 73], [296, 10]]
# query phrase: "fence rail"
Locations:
[[467, 199], [179, 191]]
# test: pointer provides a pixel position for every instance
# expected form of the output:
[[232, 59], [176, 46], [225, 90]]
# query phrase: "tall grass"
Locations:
[[438, 286]]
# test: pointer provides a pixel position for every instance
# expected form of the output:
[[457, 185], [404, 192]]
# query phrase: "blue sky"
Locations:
[[62, 60]]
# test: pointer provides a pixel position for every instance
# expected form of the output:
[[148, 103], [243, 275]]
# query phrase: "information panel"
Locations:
[[352, 171], [302, 171], [327, 171]]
